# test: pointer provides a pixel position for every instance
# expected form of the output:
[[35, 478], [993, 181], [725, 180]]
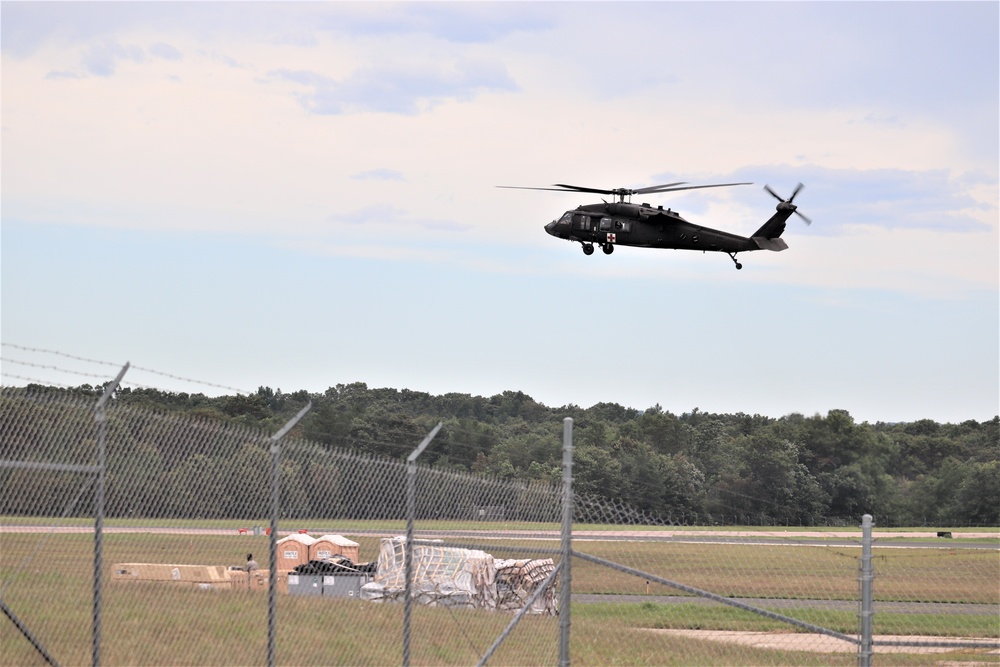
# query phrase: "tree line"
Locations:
[[691, 468]]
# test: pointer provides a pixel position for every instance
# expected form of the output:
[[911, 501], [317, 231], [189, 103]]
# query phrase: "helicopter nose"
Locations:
[[551, 228]]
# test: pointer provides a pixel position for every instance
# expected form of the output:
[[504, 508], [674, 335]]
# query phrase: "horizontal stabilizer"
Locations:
[[776, 244]]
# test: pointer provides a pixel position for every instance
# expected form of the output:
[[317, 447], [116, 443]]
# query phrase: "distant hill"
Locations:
[[693, 468]]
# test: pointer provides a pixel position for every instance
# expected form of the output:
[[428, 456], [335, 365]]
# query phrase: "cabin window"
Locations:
[[605, 224]]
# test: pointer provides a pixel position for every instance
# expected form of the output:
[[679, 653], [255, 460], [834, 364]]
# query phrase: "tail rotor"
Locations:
[[787, 203]]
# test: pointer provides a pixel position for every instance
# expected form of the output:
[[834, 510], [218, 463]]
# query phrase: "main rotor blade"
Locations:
[[563, 189], [624, 192], [656, 188], [670, 188], [577, 188]]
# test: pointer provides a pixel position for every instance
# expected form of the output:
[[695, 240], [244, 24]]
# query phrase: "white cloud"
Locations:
[[101, 59], [379, 175], [165, 51], [409, 88], [385, 219]]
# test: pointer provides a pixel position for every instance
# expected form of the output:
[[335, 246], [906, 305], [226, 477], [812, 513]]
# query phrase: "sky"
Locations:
[[299, 195]]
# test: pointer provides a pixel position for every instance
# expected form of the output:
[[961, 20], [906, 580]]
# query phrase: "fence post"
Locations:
[[411, 510], [100, 418], [867, 602], [272, 576], [567, 543]]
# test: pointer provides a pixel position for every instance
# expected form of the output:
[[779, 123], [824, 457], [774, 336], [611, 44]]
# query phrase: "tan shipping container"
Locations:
[[196, 576], [206, 577]]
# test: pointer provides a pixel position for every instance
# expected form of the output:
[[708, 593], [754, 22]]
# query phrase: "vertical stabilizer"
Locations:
[[773, 228]]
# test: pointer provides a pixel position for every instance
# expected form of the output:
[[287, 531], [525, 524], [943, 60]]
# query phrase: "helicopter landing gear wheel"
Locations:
[[588, 248], [732, 256], [608, 248]]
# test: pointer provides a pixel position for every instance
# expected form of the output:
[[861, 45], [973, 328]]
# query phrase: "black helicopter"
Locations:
[[641, 225]]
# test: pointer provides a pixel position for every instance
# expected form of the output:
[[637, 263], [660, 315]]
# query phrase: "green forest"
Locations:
[[695, 468]]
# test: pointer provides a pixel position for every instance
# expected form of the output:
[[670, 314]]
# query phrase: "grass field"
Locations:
[[47, 582]]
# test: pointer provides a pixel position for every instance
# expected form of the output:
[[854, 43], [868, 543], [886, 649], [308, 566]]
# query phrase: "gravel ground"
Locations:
[[817, 643]]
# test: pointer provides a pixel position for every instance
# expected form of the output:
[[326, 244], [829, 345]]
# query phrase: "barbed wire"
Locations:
[[32, 380], [8, 360], [74, 357], [60, 354]]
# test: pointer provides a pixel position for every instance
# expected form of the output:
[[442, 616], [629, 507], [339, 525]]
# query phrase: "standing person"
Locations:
[[250, 567], [251, 564]]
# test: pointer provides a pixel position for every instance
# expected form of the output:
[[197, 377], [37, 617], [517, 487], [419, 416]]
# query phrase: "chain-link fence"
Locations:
[[151, 562]]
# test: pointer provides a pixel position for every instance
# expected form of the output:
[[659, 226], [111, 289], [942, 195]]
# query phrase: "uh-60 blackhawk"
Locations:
[[640, 225]]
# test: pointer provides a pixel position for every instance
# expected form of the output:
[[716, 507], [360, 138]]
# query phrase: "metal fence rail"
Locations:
[[186, 501]]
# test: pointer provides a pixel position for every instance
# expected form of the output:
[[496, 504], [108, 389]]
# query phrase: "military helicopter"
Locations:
[[623, 223]]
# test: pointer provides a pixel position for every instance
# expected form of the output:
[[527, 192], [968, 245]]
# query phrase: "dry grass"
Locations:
[[160, 624], [805, 571]]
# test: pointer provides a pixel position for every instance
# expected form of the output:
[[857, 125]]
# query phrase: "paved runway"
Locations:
[[813, 538]]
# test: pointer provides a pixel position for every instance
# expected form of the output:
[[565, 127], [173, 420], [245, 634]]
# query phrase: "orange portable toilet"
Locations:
[[293, 551], [329, 546]]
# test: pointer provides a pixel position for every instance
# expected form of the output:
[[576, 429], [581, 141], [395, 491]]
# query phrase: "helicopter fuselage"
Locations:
[[640, 225], [644, 226]]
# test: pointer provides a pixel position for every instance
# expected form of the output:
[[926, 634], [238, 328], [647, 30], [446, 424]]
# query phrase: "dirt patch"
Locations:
[[818, 643]]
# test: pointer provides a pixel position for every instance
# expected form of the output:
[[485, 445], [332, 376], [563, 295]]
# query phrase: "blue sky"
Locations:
[[298, 195]]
